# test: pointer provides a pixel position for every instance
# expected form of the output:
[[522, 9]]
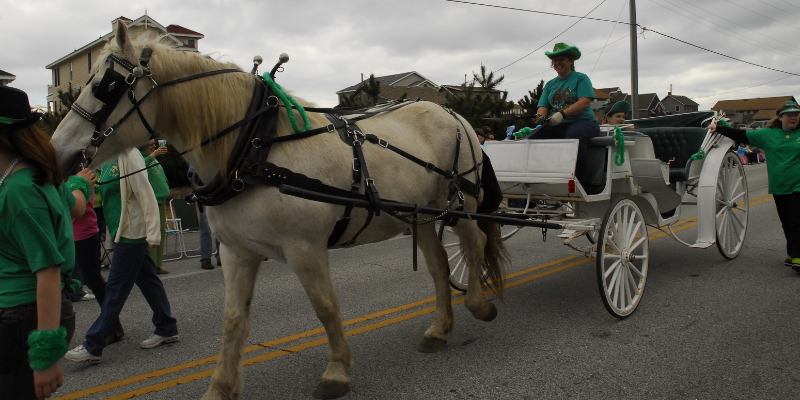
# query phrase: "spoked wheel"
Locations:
[[459, 271], [732, 206], [623, 251]]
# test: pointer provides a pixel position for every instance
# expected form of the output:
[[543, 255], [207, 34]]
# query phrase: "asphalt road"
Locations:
[[706, 328]]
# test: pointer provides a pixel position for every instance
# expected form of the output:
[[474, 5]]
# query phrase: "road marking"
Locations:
[[684, 224]]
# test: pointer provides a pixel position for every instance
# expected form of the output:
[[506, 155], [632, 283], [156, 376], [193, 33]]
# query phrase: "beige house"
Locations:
[[742, 111], [6, 78], [74, 68]]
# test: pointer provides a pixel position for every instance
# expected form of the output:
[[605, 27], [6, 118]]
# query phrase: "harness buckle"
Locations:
[[355, 167], [272, 101], [429, 167], [460, 196], [331, 127], [370, 183], [132, 78], [237, 186], [383, 143], [254, 141], [108, 131]]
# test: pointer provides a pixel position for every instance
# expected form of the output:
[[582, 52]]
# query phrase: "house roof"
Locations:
[[600, 94], [6, 74], [105, 38], [425, 93], [682, 99], [179, 30], [387, 80], [646, 100], [609, 90], [759, 103], [764, 114]]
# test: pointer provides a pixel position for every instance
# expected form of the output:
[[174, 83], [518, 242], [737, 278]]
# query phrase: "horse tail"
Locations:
[[495, 257]]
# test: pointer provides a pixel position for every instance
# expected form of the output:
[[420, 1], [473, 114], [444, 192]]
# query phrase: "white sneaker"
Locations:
[[87, 297], [81, 355], [156, 340]]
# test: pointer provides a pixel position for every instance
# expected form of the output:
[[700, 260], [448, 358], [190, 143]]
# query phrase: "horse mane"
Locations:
[[187, 110]]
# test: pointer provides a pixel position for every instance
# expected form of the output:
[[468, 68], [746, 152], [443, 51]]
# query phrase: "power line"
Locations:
[[545, 43], [749, 87], [539, 73], [743, 38], [790, 4], [729, 1], [737, 24], [627, 23], [780, 9], [607, 39]]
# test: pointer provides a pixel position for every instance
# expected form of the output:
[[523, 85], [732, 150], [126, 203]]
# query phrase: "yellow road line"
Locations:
[[689, 222]]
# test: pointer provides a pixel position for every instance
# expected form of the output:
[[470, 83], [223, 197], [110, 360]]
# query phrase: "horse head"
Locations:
[[102, 123]]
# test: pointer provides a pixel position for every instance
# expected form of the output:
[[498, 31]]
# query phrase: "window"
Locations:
[[191, 42], [70, 71], [56, 77], [89, 63], [677, 108]]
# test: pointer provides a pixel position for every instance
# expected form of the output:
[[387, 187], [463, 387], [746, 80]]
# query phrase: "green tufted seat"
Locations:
[[677, 143]]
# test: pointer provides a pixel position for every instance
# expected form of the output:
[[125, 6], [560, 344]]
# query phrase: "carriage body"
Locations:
[[614, 208]]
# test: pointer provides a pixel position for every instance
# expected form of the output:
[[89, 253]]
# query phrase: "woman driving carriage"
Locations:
[[780, 140], [566, 100]]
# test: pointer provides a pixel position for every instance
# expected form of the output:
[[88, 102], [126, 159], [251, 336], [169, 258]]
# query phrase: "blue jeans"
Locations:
[[130, 265], [205, 239], [583, 130]]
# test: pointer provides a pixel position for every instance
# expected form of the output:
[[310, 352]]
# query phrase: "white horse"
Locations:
[[262, 222]]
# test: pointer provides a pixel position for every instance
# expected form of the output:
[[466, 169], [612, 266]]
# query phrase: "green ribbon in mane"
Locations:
[[288, 101], [619, 158]]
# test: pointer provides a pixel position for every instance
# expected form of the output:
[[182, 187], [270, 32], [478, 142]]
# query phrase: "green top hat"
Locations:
[[620, 106], [563, 49], [791, 107], [15, 110]]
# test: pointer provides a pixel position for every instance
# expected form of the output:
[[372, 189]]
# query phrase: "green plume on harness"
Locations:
[[288, 101], [522, 132], [619, 158]]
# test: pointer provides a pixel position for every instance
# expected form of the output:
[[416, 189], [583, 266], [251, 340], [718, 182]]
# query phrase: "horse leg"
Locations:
[[240, 272], [473, 241], [310, 264], [435, 338]]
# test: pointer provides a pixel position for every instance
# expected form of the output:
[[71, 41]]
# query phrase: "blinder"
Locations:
[[110, 91]]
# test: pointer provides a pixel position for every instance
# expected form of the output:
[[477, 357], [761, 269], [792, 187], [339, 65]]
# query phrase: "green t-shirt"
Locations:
[[157, 178], [35, 232], [559, 94], [112, 200], [783, 157]]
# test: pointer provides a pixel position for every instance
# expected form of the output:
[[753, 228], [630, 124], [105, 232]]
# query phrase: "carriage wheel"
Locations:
[[732, 206], [459, 272], [623, 251]]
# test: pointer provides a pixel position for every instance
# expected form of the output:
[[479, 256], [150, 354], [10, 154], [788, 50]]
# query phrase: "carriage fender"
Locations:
[[707, 194]]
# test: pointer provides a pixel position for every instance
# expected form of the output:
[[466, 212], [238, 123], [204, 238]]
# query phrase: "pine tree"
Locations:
[[487, 81], [530, 102], [51, 119]]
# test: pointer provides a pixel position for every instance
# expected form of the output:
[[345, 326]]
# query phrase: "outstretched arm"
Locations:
[[737, 135]]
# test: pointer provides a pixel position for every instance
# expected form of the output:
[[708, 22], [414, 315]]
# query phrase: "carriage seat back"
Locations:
[[678, 143]]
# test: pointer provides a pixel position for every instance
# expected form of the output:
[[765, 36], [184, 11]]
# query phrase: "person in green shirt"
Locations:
[[158, 180], [37, 254], [565, 99], [780, 140]]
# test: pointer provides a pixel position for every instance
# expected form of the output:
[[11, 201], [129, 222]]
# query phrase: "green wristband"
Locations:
[[76, 182], [46, 347]]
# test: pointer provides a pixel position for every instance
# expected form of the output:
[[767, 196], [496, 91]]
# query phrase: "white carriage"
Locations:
[[621, 199]]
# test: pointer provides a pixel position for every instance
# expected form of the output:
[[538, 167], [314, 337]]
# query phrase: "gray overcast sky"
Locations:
[[332, 42]]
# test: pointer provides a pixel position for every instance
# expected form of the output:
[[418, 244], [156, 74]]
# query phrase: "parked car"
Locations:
[[756, 125]]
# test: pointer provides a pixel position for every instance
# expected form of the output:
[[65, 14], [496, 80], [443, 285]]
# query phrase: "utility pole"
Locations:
[[634, 63]]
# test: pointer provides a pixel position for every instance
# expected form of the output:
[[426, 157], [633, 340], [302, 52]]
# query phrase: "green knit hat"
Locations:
[[563, 49], [791, 107], [620, 106]]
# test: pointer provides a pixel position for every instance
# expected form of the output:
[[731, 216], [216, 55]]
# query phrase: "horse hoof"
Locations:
[[432, 345], [492, 313], [331, 390]]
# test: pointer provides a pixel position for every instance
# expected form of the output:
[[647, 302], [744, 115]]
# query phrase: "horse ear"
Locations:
[[123, 37]]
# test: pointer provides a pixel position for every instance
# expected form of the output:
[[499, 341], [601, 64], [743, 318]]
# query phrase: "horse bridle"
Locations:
[[113, 86]]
